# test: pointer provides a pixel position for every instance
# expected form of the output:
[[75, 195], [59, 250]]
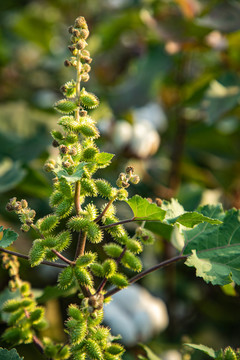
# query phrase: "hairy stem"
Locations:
[[77, 197], [82, 237], [148, 271], [27, 258]]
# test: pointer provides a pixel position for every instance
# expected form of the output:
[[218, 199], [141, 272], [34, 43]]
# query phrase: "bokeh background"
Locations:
[[167, 74]]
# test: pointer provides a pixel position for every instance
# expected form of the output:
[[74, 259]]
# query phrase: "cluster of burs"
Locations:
[[79, 158]]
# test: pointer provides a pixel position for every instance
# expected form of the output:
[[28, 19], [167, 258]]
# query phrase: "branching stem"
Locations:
[[148, 271], [27, 258], [104, 281]]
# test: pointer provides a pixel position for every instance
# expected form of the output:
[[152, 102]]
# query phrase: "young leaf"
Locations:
[[77, 174], [7, 237], [143, 210], [9, 354], [205, 349], [103, 159], [215, 249]]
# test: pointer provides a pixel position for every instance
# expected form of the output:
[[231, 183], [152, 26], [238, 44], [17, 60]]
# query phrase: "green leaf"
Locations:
[[150, 353], [176, 215], [9, 354], [77, 175], [7, 237], [190, 219], [205, 349], [143, 210], [103, 159], [215, 249]]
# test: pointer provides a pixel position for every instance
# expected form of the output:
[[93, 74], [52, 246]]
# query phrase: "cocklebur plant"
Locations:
[[75, 189]]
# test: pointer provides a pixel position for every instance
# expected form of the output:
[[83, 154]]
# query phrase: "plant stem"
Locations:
[[104, 211], [118, 223], [148, 271], [104, 281], [77, 197], [27, 258], [82, 237], [63, 258]]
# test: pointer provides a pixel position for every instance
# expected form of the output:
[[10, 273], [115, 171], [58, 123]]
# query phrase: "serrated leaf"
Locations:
[[176, 215], [190, 219], [205, 349], [103, 159], [7, 237], [143, 210], [215, 249], [77, 175], [9, 354]]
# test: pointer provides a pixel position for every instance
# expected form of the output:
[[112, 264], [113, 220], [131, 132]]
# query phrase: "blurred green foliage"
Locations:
[[174, 65]]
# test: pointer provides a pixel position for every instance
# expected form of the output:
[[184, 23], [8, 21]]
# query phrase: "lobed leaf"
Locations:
[[7, 237], [214, 250]]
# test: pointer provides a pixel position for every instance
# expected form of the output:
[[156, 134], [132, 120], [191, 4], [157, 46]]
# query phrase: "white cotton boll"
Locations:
[[143, 324], [145, 140], [140, 315], [122, 134], [153, 114], [171, 355], [120, 323]]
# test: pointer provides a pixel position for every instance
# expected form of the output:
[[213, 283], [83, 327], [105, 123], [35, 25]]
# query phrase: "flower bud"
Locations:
[[86, 68], [83, 113], [76, 33], [84, 33], [63, 149], [18, 206], [55, 143], [80, 45], [129, 170], [73, 151], [135, 179], [85, 77], [66, 164], [67, 63], [9, 207], [80, 22], [24, 203], [158, 201], [70, 29], [48, 167]]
